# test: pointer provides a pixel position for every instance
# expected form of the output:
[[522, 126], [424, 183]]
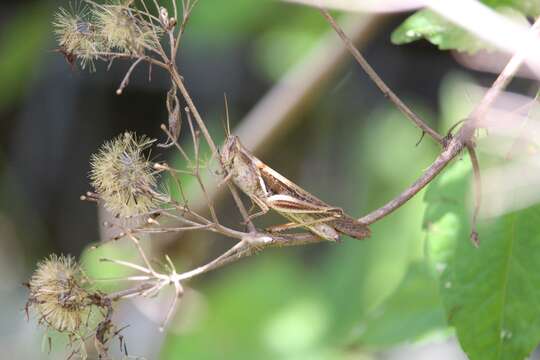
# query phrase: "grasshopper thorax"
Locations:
[[242, 168], [229, 152]]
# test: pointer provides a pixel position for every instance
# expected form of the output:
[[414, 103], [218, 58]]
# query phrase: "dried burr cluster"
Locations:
[[91, 31]]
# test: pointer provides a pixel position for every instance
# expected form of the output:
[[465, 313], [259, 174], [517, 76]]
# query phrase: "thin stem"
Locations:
[[186, 14], [434, 169], [189, 101], [179, 291], [175, 9], [241, 207], [189, 212], [179, 186], [123, 294], [477, 180], [152, 19], [389, 94], [249, 245], [125, 81], [172, 229], [196, 148], [523, 127], [221, 260], [127, 264], [148, 59], [176, 144], [141, 253], [125, 278], [501, 82]]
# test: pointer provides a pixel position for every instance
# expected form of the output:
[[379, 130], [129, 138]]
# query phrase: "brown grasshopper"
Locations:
[[271, 190]]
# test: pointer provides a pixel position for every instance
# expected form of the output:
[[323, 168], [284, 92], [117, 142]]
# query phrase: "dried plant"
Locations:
[[76, 35], [125, 180], [123, 177], [57, 293], [123, 30]]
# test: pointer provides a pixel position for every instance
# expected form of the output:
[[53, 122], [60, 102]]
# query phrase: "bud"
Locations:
[[164, 18]]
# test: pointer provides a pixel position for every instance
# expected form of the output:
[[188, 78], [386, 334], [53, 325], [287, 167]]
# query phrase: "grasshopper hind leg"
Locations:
[[326, 232], [317, 226]]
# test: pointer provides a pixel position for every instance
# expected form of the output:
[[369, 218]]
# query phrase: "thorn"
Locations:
[[158, 166], [421, 138], [475, 239]]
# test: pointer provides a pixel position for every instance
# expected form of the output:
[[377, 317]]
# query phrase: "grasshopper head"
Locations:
[[229, 151]]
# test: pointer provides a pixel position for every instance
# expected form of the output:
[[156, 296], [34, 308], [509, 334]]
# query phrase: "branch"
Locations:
[[450, 152], [502, 80], [114, 55], [193, 109], [249, 245], [477, 179], [458, 142], [389, 94], [125, 81]]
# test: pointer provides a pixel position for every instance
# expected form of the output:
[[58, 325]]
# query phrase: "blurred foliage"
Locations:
[[359, 277], [406, 316], [213, 22], [279, 34], [251, 309], [98, 270], [21, 44], [426, 24]]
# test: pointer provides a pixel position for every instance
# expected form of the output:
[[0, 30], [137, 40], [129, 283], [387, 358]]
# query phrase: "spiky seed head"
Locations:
[[57, 294], [123, 29], [123, 177], [76, 35]]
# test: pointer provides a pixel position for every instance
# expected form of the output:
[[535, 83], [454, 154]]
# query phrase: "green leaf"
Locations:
[[412, 311], [491, 294], [426, 24], [526, 7]]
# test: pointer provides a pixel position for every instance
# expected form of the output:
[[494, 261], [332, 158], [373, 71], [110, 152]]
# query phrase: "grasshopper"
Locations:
[[270, 190]]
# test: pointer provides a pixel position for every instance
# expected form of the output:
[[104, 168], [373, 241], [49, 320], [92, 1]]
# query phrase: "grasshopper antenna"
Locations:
[[227, 124]]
